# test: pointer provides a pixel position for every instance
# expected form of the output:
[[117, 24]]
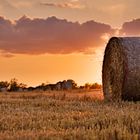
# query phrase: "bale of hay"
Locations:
[[121, 69]]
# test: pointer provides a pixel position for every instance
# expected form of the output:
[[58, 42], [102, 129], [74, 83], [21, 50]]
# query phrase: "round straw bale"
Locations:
[[121, 69]]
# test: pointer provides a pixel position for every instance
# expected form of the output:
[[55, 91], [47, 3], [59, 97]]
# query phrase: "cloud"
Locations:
[[23, 4], [51, 35], [73, 5], [131, 28], [8, 55]]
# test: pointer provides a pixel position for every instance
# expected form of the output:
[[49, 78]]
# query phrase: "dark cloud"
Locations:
[[131, 28], [51, 35]]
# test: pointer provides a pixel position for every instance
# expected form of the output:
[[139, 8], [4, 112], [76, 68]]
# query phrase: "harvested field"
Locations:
[[67, 115]]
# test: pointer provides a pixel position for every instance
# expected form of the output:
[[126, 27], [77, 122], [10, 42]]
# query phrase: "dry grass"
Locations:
[[68, 116]]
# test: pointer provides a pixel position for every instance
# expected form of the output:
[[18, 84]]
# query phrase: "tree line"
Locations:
[[13, 85]]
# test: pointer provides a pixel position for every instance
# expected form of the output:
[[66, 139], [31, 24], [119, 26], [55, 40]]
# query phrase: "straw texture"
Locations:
[[121, 69]]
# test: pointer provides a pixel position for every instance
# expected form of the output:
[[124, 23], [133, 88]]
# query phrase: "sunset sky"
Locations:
[[53, 40]]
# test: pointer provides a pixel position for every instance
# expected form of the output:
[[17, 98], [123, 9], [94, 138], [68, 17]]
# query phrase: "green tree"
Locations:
[[87, 85]]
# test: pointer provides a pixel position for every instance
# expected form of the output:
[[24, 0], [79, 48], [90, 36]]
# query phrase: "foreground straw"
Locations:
[[121, 69]]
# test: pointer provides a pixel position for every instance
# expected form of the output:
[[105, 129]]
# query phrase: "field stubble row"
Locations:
[[67, 115]]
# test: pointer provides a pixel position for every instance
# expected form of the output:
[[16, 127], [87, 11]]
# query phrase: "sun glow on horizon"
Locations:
[[51, 41], [36, 69]]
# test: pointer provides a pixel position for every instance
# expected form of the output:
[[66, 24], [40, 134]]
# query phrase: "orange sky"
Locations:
[[34, 70], [36, 49]]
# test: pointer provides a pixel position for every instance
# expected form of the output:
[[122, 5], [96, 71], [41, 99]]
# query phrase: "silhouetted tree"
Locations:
[[13, 85], [92, 86], [74, 84], [22, 85], [87, 86], [4, 84], [96, 86]]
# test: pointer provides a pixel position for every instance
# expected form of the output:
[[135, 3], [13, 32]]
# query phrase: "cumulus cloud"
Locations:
[[131, 28], [51, 35]]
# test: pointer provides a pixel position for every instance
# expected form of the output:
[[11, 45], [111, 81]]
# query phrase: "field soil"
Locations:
[[67, 115]]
